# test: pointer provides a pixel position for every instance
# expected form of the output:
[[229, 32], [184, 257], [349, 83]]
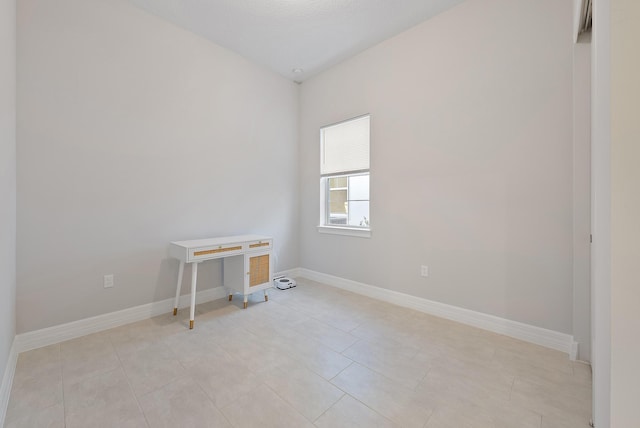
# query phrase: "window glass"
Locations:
[[344, 174]]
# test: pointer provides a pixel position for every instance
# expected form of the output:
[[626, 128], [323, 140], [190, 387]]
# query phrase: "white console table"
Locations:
[[247, 265]]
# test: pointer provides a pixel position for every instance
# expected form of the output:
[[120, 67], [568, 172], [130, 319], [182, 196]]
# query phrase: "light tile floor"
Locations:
[[310, 356]]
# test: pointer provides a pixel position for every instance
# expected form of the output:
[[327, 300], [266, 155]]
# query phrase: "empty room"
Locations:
[[329, 213]]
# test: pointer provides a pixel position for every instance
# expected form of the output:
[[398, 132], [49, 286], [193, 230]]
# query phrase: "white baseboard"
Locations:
[[540, 336], [59, 333], [7, 381], [528, 333], [573, 354], [289, 272]]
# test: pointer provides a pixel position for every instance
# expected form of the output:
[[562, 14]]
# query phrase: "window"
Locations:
[[344, 177]]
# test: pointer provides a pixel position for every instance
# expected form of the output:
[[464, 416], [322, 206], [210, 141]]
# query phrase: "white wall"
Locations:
[[471, 161], [625, 213], [601, 215], [582, 198], [7, 181], [132, 133]]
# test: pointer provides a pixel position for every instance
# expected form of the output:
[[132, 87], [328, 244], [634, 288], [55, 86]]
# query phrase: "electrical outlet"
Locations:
[[108, 281], [424, 270]]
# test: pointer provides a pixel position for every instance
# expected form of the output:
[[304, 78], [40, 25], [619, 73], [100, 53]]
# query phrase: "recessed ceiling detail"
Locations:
[[288, 35]]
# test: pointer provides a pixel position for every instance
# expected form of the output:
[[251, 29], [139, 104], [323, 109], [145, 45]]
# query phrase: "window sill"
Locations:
[[347, 231]]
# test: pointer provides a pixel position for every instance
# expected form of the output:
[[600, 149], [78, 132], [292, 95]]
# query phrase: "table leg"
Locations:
[[180, 272], [194, 278], [246, 298], [266, 295]]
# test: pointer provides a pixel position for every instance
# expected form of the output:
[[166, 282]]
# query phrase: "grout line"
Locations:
[[289, 305], [330, 407], [338, 374], [64, 402], [211, 400], [287, 401], [133, 392], [220, 409], [423, 377], [188, 375], [349, 347], [397, 383], [428, 419], [513, 382], [371, 408]]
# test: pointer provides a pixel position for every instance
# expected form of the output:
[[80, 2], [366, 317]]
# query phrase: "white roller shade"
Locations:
[[345, 147]]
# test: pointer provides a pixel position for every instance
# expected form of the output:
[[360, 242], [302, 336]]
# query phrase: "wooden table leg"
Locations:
[[175, 304], [194, 278], [246, 298]]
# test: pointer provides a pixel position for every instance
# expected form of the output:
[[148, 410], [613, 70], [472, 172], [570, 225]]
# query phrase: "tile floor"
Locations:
[[311, 356]]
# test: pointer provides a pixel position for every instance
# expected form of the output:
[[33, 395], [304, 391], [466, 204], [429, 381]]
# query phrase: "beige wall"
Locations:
[[131, 133], [7, 180], [625, 213], [471, 161]]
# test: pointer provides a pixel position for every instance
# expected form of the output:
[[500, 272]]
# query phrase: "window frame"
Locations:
[[333, 229]]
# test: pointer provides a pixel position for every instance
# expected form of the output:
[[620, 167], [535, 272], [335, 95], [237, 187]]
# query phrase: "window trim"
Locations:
[[359, 232]]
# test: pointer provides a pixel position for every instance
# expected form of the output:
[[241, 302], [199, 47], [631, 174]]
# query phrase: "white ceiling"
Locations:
[[282, 35]]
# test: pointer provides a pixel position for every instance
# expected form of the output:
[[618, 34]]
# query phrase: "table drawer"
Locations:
[[259, 245], [215, 251]]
